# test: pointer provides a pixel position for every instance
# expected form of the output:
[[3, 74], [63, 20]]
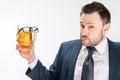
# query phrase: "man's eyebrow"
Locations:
[[80, 22]]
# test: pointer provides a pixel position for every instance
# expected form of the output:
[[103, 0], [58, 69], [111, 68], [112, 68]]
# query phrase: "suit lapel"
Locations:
[[113, 60], [72, 60]]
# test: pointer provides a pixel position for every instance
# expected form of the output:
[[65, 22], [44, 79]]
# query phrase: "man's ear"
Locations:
[[106, 27]]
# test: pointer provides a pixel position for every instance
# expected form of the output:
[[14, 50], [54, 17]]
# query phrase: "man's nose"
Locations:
[[85, 31]]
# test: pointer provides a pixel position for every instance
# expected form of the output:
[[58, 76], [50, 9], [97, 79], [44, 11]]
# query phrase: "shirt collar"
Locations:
[[83, 48], [101, 48]]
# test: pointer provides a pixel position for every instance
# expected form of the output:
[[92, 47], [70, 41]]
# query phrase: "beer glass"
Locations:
[[26, 36]]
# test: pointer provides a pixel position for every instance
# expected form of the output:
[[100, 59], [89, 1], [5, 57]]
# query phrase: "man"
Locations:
[[70, 60]]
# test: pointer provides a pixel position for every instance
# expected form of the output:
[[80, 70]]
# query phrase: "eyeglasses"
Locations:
[[30, 29]]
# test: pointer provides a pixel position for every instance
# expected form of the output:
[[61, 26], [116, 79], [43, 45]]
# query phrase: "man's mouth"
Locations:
[[84, 38]]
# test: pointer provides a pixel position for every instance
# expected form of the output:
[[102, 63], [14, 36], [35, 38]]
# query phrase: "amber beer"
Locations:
[[25, 36]]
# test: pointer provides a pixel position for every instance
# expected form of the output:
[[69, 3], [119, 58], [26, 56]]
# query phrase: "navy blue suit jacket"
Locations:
[[64, 63]]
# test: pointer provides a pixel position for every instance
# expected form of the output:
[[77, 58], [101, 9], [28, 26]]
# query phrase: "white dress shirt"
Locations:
[[101, 62]]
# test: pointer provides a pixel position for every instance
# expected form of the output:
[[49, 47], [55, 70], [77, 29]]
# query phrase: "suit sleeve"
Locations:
[[40, 72]]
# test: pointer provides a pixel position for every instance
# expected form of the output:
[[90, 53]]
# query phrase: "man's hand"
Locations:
[[28, 54]]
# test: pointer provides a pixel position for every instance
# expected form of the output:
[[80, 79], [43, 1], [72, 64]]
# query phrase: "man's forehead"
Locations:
[[90, 18]]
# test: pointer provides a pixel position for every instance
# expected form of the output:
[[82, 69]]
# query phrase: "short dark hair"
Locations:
[[97, 7]]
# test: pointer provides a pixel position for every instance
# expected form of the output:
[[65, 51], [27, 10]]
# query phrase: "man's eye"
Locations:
[[82, 26], [90, 27]]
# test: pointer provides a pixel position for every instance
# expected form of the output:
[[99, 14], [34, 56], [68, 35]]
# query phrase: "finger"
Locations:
[[17, 47]]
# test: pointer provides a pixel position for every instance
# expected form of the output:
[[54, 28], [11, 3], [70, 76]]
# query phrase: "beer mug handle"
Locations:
[[34, 30]]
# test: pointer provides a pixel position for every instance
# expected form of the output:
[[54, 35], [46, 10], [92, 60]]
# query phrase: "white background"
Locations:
[[57, 20]]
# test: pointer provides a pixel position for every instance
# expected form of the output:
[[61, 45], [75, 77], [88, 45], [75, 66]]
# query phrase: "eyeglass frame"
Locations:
[[30, 29]]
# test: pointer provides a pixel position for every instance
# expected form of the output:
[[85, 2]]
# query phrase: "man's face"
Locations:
[[92, 30]]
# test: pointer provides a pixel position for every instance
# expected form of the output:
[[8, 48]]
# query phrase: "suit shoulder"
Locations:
[[72, 42], [117, 44], [114, 43]]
